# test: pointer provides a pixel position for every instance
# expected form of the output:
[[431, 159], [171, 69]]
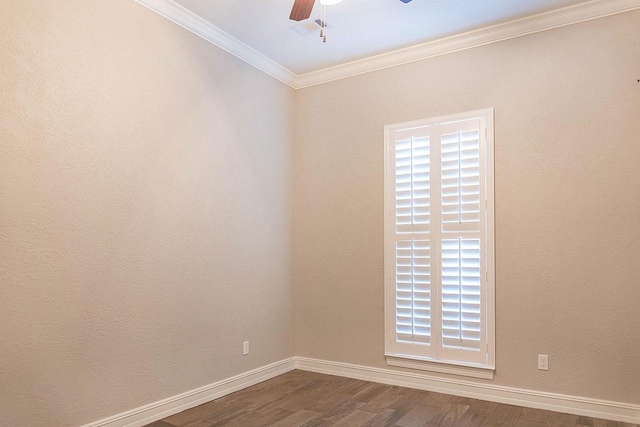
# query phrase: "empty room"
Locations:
[[319, 213]]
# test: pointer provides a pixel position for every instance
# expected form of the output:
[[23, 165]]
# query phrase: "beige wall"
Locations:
[[145, 211], [567, 106], [147, 208]]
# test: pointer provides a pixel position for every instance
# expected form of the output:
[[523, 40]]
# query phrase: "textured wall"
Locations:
[[145, 211], [567, 195], [146, 208]]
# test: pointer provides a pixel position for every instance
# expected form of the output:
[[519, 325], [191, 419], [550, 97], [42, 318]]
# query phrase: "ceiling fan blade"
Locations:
[[302, 9]]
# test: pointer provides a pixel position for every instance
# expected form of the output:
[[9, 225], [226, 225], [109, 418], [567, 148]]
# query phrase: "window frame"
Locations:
[[414, 361]]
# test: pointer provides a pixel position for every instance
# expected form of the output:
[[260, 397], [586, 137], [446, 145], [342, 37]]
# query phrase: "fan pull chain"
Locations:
[[321, 21]]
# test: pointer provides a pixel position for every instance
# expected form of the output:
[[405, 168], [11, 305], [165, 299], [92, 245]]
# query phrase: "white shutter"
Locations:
[[413, 293], [461, 323], [439, 238], [460, 165], [463, 326], [412, 180], [412, 202]]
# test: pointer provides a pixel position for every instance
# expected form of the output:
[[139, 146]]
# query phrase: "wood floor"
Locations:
[[308, 399]]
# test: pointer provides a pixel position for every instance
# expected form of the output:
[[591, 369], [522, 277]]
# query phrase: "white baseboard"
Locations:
[[576, 405], [156, 411]]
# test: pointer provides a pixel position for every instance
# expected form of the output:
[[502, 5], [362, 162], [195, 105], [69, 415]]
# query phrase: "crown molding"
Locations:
[[520, 27], [200, 27], [557, 18]]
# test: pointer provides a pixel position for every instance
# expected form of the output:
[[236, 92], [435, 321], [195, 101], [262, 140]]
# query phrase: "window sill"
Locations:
[[440, 367]]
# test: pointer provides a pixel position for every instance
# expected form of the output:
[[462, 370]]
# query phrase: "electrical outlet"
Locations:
[[543, 362], [245, 348]]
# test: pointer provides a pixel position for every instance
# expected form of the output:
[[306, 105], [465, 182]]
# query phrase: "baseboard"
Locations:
[[576, 405], [156, 411], [596, 408]]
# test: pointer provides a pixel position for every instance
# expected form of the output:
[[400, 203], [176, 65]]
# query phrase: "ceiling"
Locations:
[[358, 28]]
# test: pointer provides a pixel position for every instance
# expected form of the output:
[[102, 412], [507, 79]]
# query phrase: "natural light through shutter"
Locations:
[[461, 277], [441, 259], [413, 299], [461, 289], [412, 184], [461, 176], [413, 258]]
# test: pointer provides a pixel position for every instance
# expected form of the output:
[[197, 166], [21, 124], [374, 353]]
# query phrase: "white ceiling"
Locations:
[[359, 28]]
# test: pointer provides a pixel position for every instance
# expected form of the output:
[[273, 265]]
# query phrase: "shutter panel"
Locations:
[[461, 276], [460, 180], [461, 293], [413, 292], [412, 176], [412, 181]]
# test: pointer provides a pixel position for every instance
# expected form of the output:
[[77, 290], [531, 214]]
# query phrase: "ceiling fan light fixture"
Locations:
[[329, 2]]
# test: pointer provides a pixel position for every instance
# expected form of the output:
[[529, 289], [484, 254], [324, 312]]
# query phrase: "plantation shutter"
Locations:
[[462, 182], [437, 180], [412, 204]]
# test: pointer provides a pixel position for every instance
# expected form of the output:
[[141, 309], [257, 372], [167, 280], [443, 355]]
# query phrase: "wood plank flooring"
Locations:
[[308, 399]]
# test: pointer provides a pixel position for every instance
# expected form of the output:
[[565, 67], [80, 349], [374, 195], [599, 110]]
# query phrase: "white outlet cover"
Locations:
[[245, 348], [543, 362]]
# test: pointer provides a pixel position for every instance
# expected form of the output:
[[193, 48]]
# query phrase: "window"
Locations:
[[439, 244]]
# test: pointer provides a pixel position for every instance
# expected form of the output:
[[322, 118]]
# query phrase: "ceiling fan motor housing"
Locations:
[[302, 8]]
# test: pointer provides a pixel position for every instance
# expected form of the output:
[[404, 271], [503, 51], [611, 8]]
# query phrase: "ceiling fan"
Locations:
[[302, 8]]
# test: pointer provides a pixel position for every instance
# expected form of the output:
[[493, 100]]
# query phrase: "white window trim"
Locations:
[[415, 362], [452, 368]]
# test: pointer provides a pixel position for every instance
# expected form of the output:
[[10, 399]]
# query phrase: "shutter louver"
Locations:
[[412, 184], [460, 157], [461, 293], [413, 293]]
